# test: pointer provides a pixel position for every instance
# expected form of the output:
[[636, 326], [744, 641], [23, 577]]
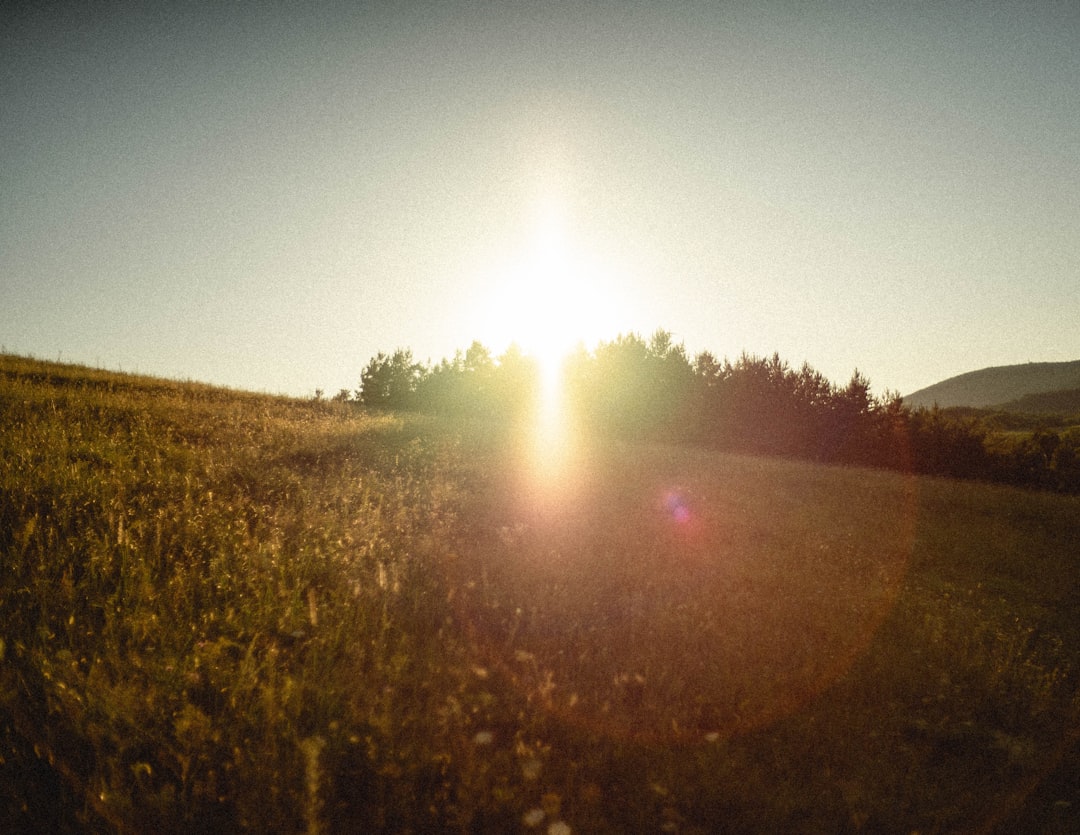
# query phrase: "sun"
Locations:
[[551, 297]]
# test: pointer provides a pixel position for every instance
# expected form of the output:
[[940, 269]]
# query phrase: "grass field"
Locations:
[[229, 611]]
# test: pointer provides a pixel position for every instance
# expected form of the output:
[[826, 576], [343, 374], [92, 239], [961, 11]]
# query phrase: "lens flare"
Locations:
[[677, 507]]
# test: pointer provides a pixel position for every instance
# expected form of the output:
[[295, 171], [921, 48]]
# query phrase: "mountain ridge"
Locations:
[[998, 385]]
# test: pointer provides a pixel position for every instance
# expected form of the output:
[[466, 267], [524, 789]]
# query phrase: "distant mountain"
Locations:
[[998, 385], [1064, 402]]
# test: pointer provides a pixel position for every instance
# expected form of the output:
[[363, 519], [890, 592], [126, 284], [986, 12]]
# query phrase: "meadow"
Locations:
[[226, 611]]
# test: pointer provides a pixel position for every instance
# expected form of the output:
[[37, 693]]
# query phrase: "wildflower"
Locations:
[[530, 769], [551, 803], [484, 738]]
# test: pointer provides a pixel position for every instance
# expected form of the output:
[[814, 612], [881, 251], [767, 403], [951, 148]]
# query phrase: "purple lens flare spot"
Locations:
[[677, 506]]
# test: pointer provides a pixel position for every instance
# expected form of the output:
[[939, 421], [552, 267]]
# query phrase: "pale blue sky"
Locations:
[[264, 197]]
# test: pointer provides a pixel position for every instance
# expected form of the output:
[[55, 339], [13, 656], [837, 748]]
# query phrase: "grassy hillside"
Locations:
[[227, 612], [998, 385]]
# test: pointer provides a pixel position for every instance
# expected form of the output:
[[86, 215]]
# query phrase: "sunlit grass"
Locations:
[[225, 611]]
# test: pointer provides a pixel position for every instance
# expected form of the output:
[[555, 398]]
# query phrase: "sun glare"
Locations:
[[549, 298]]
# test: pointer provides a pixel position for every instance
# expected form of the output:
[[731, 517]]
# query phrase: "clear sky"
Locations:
[[263, 195]]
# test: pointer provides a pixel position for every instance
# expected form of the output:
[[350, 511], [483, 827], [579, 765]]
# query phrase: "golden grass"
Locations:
[[229, 611]]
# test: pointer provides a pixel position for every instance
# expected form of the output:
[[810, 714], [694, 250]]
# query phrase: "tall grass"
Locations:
[[202, 589], [227, 611]]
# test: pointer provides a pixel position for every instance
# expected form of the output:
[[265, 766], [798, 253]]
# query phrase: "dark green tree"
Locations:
[[390, 382]]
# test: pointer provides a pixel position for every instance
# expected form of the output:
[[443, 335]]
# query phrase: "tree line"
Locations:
[[637, 388]]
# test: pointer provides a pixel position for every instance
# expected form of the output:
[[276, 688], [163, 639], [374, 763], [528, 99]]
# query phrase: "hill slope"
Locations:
[[1060, 402], [997, 385]]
